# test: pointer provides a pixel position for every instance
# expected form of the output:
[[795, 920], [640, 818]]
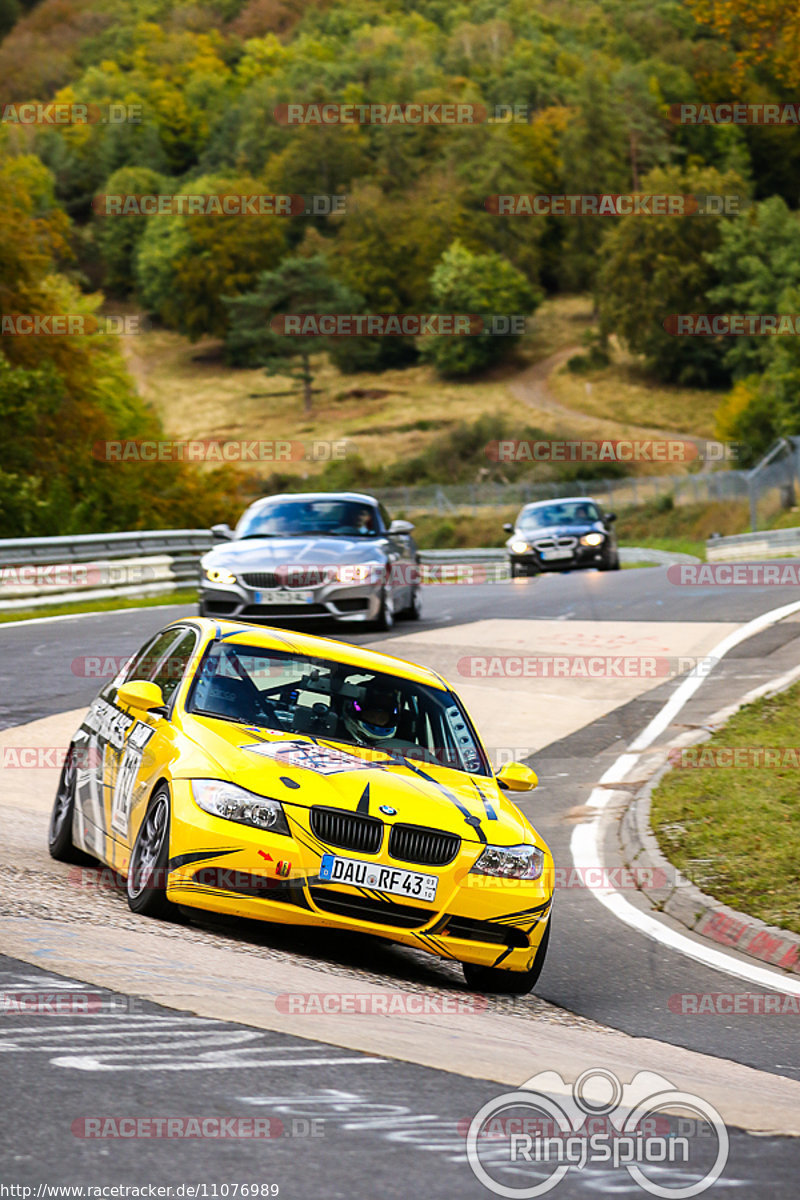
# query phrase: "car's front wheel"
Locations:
[[147, 873], [508, 983], [385, 618], [59, 838]]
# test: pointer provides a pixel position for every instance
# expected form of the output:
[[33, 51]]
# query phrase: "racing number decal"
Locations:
[[128, 769]]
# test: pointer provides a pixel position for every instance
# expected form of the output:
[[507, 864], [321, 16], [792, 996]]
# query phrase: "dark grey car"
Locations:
[[313, 555], [562, 535]]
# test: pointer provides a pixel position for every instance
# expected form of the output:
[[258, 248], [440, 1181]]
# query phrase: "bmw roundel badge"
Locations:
[[388, 811]]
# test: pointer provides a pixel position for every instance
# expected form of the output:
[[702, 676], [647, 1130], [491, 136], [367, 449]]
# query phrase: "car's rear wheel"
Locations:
[[147, 872], [59, 838], [508, 983]]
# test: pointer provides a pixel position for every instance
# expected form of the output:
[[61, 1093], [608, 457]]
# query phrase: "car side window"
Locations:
[[385, 518], [147, 660], [172, 669]]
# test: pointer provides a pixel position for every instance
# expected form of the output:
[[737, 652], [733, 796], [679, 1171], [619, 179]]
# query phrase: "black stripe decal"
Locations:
[[182, 860]]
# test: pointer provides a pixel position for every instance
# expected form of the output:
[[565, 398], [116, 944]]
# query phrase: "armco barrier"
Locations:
[[773, 543], [37, 572]]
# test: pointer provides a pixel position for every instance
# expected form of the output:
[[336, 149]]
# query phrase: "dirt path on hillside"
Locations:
[[532, 388]]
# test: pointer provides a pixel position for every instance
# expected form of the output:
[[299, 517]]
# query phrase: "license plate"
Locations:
[[278, 596], [549, 555], [397, 882]]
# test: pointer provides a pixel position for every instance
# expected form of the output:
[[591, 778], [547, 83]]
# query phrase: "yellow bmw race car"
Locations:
[[296, 779]]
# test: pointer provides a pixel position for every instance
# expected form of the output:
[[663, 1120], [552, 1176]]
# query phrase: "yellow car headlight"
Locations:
[[219, 575], [592, 539], [519, 547], [510, 862]]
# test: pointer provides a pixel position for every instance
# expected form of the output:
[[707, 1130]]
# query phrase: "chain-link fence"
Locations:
[[770, 485]]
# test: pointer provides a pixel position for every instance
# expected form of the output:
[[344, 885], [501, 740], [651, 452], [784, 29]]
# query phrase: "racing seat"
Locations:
[[228, 697]]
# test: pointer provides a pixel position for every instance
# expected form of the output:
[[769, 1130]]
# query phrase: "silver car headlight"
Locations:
[[235, 803], [592, 539], [510, 862], [356, 573], [219, 575], [519, 547]]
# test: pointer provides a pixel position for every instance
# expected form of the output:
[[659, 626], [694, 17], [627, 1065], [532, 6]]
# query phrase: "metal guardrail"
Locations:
[[40, 572], [773, 543]]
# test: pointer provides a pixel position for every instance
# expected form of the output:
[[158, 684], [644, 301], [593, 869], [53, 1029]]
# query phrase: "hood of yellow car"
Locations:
[[306, 771]]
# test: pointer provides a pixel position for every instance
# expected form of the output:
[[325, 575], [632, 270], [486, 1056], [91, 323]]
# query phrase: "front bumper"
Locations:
[[580, 557], [234, 869], [344, 602]]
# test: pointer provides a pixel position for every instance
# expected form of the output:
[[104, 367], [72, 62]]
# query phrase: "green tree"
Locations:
[[757, 259], [482, 284], [298, 286], [118, 237], [652, 267], [187, 263]]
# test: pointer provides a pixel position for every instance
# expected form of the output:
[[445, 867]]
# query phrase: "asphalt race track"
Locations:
[[363, 1114]]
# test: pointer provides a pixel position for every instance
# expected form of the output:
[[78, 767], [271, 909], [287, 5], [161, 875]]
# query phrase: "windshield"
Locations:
[[287, 518], [568, 512], [335, 702]]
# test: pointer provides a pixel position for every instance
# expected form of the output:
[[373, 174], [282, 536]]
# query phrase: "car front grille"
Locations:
[[349, 831], [416, 844], [261, 579], [287, 577], [562, 543], [363, 908]]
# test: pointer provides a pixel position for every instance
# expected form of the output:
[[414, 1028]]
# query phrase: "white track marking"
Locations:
[[586, 848], [109, 612]]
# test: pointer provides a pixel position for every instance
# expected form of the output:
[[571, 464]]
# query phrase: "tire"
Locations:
[[385, 618], [414, 610], [59, 838], [515, 570], [612, 565], [149, 859], [507, 983]]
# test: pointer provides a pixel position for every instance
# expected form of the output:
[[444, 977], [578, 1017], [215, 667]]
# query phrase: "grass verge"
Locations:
[[185, 596], [736, 831]]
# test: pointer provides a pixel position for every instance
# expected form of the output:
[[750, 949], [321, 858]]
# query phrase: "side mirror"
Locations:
[[222, 531], [401, 527], [508, 527], [514, 777], [609, 518], [140, 695]]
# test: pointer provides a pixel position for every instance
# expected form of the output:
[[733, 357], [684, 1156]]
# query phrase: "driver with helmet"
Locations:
[[373, 719]]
